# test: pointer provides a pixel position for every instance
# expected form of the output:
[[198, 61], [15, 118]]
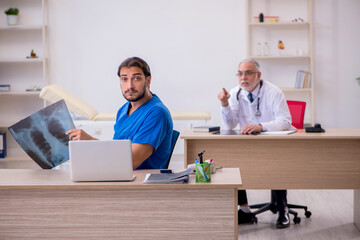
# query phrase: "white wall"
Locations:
[[193, 48], [337, 62]]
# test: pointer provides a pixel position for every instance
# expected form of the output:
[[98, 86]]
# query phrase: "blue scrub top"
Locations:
[[151, 123]]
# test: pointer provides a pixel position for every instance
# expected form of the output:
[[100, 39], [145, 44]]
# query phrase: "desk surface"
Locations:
[[300, 134], [60, 178]]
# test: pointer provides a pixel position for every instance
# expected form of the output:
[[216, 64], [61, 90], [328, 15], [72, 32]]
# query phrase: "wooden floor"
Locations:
[[332, 211], [332, 215]]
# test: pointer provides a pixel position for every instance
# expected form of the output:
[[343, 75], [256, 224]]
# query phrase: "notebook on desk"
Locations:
[[101, 160]]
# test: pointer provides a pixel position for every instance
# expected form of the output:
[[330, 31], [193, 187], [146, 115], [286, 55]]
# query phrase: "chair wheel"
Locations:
[[307, 214], [254, 219], [297, 220]]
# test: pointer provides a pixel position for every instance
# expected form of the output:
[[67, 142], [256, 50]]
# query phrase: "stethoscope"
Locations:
[[257, 113]]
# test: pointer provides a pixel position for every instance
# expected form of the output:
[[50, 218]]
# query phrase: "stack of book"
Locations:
[[206, 128], [303, 79], [167, 178]]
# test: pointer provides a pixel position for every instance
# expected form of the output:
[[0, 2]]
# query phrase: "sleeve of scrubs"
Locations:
[[153, 130]]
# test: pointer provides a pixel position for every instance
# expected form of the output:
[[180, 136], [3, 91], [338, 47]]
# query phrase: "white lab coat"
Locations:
[[274, 111]]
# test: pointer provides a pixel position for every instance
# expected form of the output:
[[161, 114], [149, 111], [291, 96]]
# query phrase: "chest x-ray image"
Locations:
[[42, 135]]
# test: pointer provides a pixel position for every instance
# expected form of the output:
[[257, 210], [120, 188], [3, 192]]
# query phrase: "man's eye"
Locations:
[[136, 78], [123, 79]]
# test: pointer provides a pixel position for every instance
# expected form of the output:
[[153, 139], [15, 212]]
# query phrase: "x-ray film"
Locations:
[[42, 135]]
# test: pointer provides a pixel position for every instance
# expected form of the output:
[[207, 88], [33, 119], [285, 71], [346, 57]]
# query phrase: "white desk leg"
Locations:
[[357, 208]]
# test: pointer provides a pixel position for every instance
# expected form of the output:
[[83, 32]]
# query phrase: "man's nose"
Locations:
[[130, 84]]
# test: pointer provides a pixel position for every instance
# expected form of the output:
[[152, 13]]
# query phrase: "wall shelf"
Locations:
[[21, 60], [22, 27], [19, 72], [283, 24], [22, 93], [262, 45]]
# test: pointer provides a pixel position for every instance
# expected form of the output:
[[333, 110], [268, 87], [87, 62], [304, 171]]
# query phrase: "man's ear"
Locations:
[[259, 75], [148, 81]]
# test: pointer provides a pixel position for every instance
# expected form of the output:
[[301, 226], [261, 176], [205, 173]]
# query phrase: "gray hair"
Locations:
[[253, 61]]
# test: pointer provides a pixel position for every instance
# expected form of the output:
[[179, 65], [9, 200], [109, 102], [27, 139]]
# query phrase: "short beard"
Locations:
[[140, 96]]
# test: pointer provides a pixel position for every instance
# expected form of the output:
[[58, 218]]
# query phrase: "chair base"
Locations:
[[263, 207]]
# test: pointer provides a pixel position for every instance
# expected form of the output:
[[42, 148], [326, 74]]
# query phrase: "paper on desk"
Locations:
[[278, 132]]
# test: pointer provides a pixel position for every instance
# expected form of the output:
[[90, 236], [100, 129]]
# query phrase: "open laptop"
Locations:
[[101, 160]]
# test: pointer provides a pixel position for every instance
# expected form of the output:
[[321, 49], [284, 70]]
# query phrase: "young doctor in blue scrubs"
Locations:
[[144, 119]]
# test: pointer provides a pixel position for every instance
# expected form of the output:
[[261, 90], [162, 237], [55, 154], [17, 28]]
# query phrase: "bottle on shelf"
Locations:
[[259, 50], [261, 17], [265, 51]]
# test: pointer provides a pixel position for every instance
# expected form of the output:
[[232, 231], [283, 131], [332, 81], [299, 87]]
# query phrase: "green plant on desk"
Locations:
[[358, 80]]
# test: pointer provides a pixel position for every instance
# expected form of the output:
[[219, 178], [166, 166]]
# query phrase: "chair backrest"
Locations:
[[297, 111], [174, 139]]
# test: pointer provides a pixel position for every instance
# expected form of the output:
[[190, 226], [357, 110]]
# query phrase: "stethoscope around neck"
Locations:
[[257, 113]]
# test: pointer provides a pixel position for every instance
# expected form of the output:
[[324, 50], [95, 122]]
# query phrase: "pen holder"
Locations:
[[203, 172]]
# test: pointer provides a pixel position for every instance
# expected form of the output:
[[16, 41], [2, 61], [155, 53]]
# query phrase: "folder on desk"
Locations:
[[167, 178]]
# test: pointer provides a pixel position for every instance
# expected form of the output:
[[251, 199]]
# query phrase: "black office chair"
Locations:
[[297, 111], [174, 139], [263, 207]]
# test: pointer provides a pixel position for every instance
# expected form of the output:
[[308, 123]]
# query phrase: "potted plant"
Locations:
[[12, 16], [358, 80]]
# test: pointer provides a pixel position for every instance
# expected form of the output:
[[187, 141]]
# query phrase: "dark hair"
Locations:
[[135, 62]]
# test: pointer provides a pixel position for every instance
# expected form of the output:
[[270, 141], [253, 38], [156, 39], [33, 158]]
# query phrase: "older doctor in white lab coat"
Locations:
[[256, 105]]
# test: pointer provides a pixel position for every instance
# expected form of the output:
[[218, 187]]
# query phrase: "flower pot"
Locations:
[[12, 19]]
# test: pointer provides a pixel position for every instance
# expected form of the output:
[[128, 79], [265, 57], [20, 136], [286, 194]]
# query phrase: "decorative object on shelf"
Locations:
[[281, 48], [261, 17], [32, 54], [12, 16], [4, 87], [34, 89], [298, 20]]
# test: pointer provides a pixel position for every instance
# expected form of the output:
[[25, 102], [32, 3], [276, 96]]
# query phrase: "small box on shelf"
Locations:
[[4, 87]]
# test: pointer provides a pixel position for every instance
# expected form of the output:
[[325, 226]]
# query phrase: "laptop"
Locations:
[[101, 160]]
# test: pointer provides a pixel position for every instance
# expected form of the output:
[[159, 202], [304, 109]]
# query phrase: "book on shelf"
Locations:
[[206, 128], [303, 79], [2, 144], [167, 178], [4, 87]]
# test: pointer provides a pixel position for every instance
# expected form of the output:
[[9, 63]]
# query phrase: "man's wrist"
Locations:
[[224, 104]]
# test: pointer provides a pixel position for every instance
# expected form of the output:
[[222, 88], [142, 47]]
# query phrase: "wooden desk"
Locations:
[[43, 204], [329, 160]]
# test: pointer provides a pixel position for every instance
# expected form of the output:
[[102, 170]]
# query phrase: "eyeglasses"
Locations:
[[246, 73]]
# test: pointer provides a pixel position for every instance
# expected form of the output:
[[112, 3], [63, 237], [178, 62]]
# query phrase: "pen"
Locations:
[[211, 160]]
